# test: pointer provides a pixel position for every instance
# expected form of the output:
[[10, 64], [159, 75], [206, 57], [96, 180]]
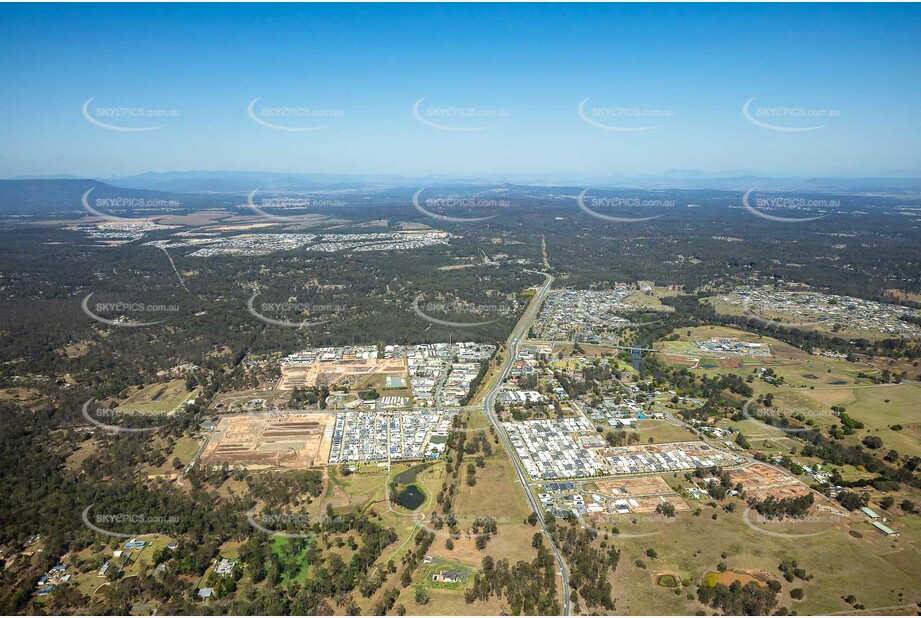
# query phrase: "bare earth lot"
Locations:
[[354, 370], [295, 440], [761, 481]]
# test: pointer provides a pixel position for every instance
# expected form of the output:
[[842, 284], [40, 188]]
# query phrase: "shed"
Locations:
[[885, 529]]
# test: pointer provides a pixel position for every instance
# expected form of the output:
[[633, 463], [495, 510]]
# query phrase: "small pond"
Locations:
[[409, 476], [410, 498]]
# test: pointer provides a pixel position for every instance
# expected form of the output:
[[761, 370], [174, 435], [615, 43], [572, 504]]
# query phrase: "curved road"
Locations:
[[489, 405]]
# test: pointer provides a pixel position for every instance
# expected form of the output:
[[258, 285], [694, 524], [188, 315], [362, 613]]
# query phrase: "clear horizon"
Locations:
[[484, 91]]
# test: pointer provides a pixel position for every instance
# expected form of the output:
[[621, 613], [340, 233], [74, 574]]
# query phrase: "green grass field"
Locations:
[[689, 547], [661, 431], [876, 406], [158, 398]]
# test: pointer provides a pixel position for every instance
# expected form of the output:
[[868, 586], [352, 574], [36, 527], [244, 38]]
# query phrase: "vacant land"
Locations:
[[636, 486], [649, 504], [292, 440], [877, 406], [183, 450], [760, 481], [691, 546], [723, 307], [159, 398], [355, 371], [661, 431], [254, 399]]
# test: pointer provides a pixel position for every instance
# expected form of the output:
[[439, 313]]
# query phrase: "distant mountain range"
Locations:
[[57, 196], [197, 190], [205, 181], [752, 181], [244, 182]]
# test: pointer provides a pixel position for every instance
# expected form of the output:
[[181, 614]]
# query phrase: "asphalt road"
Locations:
[[489, 405]]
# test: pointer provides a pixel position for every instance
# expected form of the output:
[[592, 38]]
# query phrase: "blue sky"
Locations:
[[684, 69]]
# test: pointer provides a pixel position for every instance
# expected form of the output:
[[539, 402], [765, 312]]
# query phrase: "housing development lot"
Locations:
[[828, 311], [609, 497], [373, 436], [639, 494], [383, 241], [441, 373], [306, 439], [670, 457], [116, 233], [248, 244], [340, 366], [760, 481], [563, 448], [587, 316], [634, 487], [217, 243], [438, 374], [284, 440], [551, 449]]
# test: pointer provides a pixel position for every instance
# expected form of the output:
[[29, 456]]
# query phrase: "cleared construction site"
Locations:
[[760, 481], [271, 441], [352, 371]]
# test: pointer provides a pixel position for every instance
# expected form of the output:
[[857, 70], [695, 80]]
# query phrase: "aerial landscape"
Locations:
[[468, 309]]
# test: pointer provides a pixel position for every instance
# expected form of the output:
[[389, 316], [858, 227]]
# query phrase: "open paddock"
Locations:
[[649, 504], [158, 398]]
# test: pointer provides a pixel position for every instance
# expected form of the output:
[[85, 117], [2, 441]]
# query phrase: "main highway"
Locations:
[[489, 404]]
